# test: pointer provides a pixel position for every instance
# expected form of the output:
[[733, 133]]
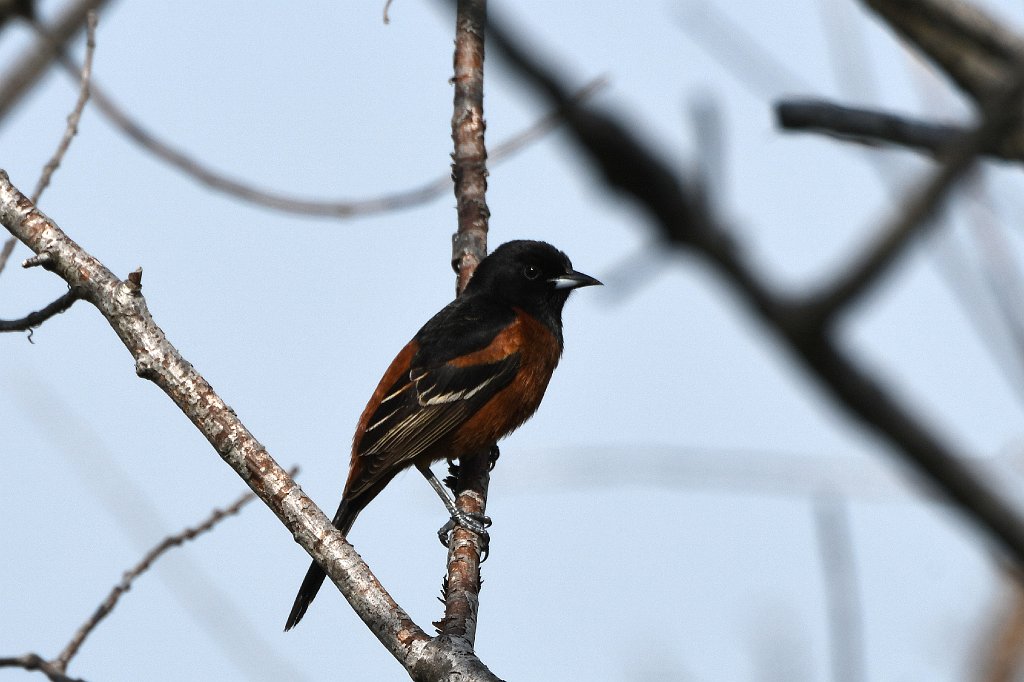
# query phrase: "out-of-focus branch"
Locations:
[[57, 668], [26, 72], [1004, 282], [973, 49], [25, 9], [11, 9], [872, 127], [5, 252], [633, 169], [104, 609], [838, 565], [76, 114], [285, 202], [156, 359], [65, 301], [1003, 650], [977, 52], [1000, 116], [737, 50]]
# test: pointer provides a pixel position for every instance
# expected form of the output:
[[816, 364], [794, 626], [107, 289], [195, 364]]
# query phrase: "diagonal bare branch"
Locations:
[[57, 668], [156, 359], [34, 319], [76, 114], [170, 542]]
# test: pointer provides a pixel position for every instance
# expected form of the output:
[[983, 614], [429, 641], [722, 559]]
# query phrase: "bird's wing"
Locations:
[[423, 407]]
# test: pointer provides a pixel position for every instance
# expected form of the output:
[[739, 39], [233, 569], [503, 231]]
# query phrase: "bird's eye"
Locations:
[[531, 272]]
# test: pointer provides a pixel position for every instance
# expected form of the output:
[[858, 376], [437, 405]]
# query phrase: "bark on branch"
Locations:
[[469, 247], [156, 359], [469, 160]]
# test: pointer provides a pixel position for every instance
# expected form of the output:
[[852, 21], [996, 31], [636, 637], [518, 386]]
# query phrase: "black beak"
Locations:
[[574, 280]]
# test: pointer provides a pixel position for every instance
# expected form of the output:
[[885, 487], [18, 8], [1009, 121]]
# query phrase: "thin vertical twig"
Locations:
[[76, 114], [5, 252], [845, 620], [62, 303], [1001, 275], [469, 160], [469, 247], [1003, 650]]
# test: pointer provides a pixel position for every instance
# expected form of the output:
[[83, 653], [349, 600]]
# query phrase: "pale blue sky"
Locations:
[[701, 565]]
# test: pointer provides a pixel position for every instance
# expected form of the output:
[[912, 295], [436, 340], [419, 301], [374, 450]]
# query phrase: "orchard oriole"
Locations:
[[473, 374]]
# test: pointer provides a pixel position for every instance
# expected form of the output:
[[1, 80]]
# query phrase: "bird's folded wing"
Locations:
[[422, 408]]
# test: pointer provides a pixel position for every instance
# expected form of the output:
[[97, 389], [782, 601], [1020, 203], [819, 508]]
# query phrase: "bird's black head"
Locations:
[[531, 275]]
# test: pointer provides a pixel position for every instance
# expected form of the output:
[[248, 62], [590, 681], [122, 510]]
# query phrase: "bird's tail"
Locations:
[[343, 520]]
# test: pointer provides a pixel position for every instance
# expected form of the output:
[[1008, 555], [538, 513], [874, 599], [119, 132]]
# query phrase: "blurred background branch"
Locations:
[[633, 169]]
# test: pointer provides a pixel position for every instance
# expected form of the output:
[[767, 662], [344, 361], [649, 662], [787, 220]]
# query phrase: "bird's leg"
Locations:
[[452, 479], [477, 523]]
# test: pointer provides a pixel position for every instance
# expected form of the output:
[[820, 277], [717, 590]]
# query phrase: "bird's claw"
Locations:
[[475, 523]]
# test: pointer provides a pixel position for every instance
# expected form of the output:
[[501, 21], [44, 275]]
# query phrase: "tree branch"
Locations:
[[62, 303], [34, 662], [462, 582], [36, 318], [972, 48], [843, 607], [108, 604], [26, 72], [469, 160], [469, 247], [285, 202], [1000, 117], [76, 114], [1002, 652], [5, 252], [636, 171], [872, 127], [57, 668], [156, 359]]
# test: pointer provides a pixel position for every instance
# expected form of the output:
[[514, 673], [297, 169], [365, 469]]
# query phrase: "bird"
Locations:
[[475, 372]]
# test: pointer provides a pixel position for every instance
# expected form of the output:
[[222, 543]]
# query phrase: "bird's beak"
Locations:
[[574, 280]]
